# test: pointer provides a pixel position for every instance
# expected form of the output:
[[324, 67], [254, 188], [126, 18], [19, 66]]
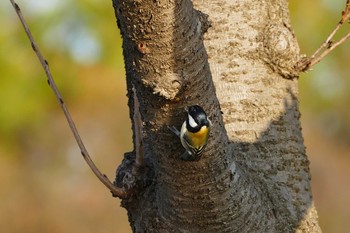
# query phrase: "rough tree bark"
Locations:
[[236, 59]]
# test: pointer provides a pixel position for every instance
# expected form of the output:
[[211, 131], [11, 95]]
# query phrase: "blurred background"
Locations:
[[45, 186]]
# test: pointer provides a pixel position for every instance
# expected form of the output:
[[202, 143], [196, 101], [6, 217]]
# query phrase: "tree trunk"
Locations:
[[254, 174]]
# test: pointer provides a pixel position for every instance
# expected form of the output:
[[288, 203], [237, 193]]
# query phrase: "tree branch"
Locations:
[[139, 160], [328, 45], [102, 177]]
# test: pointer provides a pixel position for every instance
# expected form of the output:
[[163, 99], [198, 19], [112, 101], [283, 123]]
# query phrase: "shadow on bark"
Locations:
[[263, 187], [278, 164]]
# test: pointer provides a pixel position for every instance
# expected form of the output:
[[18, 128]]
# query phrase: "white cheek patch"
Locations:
[[210, 124], [191, 121]]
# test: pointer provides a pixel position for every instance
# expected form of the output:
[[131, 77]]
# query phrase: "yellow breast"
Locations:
[[199, 138]]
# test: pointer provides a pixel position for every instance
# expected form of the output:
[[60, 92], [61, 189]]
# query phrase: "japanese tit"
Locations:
[[194, 133]]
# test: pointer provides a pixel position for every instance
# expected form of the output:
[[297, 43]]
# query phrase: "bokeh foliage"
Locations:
[[45, 184]]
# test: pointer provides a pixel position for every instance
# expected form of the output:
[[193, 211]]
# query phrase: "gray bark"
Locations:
[[254, 174]]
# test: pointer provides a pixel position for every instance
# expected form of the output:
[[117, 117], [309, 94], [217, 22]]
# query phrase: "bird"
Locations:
[[194, 133]]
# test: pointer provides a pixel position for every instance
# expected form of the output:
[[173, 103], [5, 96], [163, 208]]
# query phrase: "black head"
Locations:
[[196, 118]]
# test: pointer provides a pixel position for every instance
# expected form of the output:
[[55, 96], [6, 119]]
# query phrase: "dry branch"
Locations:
[[328, 45], [139, 159], [102, 177]]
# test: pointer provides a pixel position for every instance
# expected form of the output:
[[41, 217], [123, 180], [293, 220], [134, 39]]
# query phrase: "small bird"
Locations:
[[194, 133]]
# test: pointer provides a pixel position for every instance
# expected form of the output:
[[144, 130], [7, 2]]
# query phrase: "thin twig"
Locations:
[[325, 52], [102, 177], [328, 45], [139, 160], [327, 42]]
